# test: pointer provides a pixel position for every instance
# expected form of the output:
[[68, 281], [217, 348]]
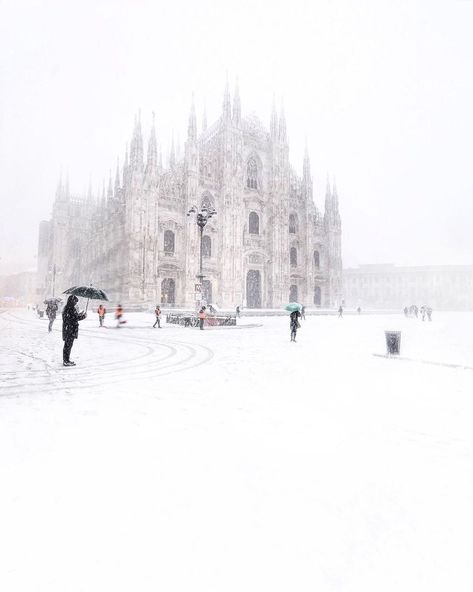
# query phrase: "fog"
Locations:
[[382, 91]]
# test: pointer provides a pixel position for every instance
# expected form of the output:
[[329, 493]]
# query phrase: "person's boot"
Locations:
[[68, 363]]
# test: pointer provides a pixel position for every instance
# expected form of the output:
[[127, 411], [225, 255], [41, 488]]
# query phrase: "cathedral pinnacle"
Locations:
[[192, 127], [227, 109], [236, 106], [136, 149], [274, 120], [282, 125], [152, 160], [204, 119], [117, 179]]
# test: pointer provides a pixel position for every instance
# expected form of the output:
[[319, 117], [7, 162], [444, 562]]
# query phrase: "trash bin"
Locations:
[[393, 342]]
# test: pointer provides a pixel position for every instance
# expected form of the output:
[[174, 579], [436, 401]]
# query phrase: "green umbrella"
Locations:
[[292, 306], [88, 292]]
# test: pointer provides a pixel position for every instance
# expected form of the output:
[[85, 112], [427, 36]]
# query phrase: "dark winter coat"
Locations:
[[51, 311], [70, 319], [295, 320]]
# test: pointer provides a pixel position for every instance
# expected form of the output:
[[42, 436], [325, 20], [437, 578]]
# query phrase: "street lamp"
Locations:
[[203, 215]]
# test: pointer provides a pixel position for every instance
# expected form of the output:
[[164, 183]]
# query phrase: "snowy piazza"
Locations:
[[236, 296]]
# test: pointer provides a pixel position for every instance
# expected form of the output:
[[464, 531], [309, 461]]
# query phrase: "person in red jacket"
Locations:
[[202, 315], [101, 310], [119, 314]]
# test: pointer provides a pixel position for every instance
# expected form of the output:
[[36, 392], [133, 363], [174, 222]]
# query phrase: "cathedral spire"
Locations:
[[172, 155], [204, 119], [136, 149], [89, 191], [334, 195], [273, 126], [236, 106], [328, 195], [306, 176], [117, 179], [192, 126], [110, 189], [282, 125], [227, 109], [152, 160]]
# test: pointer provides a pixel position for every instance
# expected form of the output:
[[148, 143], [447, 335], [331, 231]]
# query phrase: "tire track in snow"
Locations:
[[187, 356]]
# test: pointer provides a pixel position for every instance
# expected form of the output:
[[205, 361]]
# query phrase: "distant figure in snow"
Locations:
[[157, 312], [423, 310], [358, 310], [119, 315], [416, 311], [70, 328], [238, 312], [294, 323], [429, 313], [51, 311], [101, 310], [406, 311], [303, 312], [202, 315], [340, 312]]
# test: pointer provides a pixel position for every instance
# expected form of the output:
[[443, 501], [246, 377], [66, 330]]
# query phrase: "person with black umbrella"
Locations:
[[70, 327]]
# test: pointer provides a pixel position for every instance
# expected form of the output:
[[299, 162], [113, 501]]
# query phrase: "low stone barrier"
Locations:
[[192, 320]]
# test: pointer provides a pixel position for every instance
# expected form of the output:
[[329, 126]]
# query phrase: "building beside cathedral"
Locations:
[[267, 245]]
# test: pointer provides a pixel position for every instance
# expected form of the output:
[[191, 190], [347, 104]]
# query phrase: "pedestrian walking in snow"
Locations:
[[119, 315], [157, 312], [202, 315], [340, 312], [294, 323], [51, 310], [429, 313], [101, 310], [303, 312], [406, 311], [423, 311], [358, 310], [238, 312], [70, 328]]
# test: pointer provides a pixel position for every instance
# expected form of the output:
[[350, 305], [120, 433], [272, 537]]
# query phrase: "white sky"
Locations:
[[383, 90]]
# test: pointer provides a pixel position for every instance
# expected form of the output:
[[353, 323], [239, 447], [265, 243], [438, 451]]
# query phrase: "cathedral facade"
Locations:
[[268, 243]]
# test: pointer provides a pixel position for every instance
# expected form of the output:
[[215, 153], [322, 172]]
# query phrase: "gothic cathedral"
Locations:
[[267, 245]]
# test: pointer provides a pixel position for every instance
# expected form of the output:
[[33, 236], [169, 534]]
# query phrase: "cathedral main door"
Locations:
[[253, 289], [168, 291]]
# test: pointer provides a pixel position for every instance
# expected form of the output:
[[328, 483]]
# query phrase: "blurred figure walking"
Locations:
[[202, 315], [119, 315], [51, 310], [101, 310], [294, 323], [340, 312], [157, 312]]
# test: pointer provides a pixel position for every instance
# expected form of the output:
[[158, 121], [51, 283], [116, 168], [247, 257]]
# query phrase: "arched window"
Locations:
[[316, 259], [292, 224], [206, 246], [168, 241], [252, 174], [253, 223], [293, 256], [168, 291]]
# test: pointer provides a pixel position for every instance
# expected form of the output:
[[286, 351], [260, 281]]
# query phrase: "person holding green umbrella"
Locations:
[[295, 309]]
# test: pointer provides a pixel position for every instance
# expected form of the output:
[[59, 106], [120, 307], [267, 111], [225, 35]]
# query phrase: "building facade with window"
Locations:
[[267, 245]]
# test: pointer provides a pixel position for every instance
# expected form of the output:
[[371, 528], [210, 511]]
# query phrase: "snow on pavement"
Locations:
[[176, 459]]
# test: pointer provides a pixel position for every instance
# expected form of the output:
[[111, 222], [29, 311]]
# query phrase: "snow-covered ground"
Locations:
[[233, 460]]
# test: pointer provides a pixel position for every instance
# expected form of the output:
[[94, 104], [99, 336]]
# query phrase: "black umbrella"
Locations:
[[88, 292], [52, 300]]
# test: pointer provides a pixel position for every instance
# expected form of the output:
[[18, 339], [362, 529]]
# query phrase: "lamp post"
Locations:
[[203, 215]]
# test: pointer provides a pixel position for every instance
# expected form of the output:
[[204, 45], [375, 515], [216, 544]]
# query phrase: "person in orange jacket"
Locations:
[[202, 315], [101, 310], [119, 314]]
